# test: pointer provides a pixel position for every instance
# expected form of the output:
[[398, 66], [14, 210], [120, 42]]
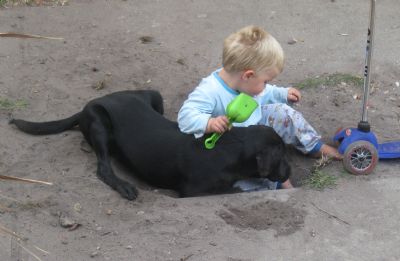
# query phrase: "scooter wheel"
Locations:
[[360, 158]]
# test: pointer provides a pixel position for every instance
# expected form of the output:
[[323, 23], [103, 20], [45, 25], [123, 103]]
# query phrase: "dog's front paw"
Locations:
[[127, 191]]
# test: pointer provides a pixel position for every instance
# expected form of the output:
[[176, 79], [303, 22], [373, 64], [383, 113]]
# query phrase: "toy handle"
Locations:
[[210, 142]]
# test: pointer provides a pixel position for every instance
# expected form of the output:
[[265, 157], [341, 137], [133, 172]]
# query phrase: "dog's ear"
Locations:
[[272, 163], [281, 171]]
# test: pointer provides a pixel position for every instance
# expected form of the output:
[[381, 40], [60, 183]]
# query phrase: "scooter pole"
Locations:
[[363, 125]]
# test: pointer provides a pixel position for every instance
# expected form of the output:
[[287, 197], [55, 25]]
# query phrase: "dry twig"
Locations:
[[330, 215], [19, 239], [19, 35], [25, 180]]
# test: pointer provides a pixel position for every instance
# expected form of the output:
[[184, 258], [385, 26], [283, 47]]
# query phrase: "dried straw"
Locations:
[[25, 180], [19, 35], [18, 239]]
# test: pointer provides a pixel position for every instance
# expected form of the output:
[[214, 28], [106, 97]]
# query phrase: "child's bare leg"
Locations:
[[328, 151], [287, 184]]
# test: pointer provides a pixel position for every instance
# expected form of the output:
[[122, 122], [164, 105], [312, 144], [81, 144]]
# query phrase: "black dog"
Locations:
[[129, 126]]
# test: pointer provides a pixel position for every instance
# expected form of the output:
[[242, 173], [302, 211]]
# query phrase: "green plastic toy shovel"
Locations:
[[238, 110]]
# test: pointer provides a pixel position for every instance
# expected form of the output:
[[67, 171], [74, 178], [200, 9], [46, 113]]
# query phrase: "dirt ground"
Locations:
[[170, 45]]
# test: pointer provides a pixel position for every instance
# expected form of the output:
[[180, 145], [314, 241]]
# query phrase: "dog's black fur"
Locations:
[[129, 125]]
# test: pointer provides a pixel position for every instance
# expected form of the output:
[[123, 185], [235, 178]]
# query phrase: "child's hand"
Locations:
[[219, 124], [293, 95]]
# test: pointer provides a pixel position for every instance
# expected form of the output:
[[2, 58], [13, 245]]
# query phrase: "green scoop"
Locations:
[[238, 110]]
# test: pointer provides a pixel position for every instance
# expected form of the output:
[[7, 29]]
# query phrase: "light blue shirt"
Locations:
[[212, 96]]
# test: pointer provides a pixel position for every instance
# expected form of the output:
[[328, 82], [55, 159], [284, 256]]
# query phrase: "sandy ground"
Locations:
[[103, 51]]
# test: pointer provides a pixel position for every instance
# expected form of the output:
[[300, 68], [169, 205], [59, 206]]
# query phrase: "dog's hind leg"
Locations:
[[157, 102], [97, 129], [153, 98]]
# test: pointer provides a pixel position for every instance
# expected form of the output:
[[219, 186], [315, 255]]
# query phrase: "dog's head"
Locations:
[[273, 164]]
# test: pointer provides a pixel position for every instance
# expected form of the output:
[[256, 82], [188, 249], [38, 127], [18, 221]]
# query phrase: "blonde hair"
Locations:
[[252, 48]]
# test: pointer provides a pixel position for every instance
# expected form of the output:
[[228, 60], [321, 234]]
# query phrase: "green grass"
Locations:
[[6, 104], [330, 80], [319, 180]]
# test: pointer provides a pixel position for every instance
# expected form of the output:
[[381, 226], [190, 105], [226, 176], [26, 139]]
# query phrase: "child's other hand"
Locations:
[[219, 124], [293, 95]]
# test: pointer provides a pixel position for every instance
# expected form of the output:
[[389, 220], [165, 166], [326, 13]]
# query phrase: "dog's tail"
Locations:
[[49, 127]]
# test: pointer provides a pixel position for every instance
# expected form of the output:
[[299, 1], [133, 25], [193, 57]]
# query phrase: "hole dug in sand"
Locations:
[[280, 216]]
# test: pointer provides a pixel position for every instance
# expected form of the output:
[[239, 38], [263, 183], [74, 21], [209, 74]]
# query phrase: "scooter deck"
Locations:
[[389, 150]]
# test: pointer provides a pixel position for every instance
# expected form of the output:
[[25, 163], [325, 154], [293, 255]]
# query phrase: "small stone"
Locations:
[[77, 207], [146, 39], [292, 41], [66, 222]]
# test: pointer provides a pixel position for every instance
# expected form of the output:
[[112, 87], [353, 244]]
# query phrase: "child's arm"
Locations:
[[218, 124], [196, 112], [294, 95], [275, 94]]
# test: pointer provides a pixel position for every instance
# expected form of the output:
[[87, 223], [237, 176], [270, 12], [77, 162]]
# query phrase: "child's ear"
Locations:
[[248, 74]]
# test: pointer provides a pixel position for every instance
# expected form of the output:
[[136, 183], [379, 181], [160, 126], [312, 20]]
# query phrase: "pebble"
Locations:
[[66, 221], [77, 207]]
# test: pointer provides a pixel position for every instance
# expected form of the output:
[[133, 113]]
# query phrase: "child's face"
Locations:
[[253, 84]]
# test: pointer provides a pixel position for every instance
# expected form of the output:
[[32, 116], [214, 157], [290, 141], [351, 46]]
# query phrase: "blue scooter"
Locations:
[[359, 146]]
